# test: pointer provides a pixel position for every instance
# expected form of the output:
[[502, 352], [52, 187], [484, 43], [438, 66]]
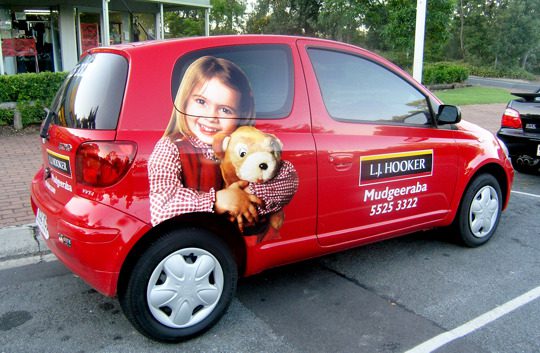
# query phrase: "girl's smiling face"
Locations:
[[212, 107]]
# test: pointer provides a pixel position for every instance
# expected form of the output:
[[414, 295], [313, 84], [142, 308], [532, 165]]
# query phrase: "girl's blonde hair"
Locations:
[[201, 71]]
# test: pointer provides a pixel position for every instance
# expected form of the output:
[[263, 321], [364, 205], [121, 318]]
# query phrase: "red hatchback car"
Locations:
[[170, 168]]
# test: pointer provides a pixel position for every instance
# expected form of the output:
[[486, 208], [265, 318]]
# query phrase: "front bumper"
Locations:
[[90, 238]]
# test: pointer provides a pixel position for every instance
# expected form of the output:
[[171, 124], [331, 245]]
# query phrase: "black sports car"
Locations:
[[520, 131]]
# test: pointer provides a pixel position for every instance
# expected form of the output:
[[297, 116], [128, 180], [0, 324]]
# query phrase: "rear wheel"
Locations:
[[181, 285], [480, 211]]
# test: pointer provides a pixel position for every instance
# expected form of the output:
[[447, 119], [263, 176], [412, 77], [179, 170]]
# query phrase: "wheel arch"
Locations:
[[500, 175], [207, 221], [477, 234], [494, 169]]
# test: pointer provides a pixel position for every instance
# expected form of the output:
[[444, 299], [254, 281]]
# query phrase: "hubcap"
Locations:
[[484, 211], [185, 287]]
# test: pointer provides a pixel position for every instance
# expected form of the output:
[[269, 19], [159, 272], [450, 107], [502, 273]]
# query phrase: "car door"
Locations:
[[384, 168], [273, 68]]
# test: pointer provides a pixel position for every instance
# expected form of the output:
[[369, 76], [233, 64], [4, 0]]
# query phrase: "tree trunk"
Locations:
[[525, 59]]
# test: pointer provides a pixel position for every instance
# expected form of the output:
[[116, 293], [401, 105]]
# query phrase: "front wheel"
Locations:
[[480, 211], [181, 285]]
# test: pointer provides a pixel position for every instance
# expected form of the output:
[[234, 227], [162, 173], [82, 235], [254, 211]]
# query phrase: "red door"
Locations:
[[274, 70], [384, 169]]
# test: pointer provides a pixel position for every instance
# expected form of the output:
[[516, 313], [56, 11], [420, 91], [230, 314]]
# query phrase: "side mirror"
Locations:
[[448, 114]]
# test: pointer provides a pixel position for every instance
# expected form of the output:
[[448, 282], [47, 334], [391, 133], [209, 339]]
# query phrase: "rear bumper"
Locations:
[[90, 238], [519, 142]]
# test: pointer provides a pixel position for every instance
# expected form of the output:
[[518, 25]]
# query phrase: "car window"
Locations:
[[359, 90], [91, 95], [269, 70]]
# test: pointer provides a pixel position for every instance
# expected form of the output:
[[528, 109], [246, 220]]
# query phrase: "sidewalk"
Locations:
[[20, 242], [20, 156]]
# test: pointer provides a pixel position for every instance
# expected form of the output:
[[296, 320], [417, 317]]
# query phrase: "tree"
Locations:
[[518, 36], [375, 20], [478, 26], [297, 17], [259, 19], [185, 23], [342, 20], [438, 28], [227, 16], [499, 33], [398, 28]]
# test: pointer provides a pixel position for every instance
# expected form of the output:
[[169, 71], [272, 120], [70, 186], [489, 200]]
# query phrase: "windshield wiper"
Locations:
[[44, 132]]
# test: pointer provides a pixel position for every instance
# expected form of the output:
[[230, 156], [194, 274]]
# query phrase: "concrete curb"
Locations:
[[21, 241]]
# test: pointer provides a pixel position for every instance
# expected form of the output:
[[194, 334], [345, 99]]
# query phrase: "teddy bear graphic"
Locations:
[[251, 155]]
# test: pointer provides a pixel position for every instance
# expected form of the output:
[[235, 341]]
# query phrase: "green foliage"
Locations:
[[184, 24], [474, 95], [398, 34], [392, 26], [497, 33], [227, 16], [399, 58], [32, 113], [298, 17], [500, 34], [6, 117], [30, 86], [32, 92], [489, 71], [444, 72], [341, 19]]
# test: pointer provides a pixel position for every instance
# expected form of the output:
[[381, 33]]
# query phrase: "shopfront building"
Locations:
[[50, 35]]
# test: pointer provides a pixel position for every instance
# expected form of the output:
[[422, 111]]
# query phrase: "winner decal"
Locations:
[[59, 162], [395, 166]]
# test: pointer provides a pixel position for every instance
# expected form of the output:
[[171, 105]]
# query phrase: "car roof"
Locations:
[[212, 41]]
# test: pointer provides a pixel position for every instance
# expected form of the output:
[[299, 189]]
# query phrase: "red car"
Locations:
[[171, 168]]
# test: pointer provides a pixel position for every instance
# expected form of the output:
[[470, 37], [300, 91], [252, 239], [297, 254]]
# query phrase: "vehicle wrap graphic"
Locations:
[[380, 168], [59, 162]]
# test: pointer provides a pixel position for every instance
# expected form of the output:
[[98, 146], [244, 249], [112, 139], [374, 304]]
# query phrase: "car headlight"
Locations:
[[504, 148]]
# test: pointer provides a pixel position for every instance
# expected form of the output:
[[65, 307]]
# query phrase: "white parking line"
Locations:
[[525, 193], [482, 320]]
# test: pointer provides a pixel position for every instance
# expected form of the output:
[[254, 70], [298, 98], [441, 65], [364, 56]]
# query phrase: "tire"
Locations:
[[480, 211], [180, 286]]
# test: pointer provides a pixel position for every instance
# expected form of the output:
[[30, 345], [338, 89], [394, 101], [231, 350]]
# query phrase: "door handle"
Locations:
[[342, 161]]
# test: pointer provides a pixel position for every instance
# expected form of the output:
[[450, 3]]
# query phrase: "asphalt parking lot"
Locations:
[[418, 293], [392, 296]]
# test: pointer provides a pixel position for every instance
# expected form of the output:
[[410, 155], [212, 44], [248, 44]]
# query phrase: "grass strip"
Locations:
[[474, 95]]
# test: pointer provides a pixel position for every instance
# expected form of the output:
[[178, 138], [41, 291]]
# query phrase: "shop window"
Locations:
[[28, 43]]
